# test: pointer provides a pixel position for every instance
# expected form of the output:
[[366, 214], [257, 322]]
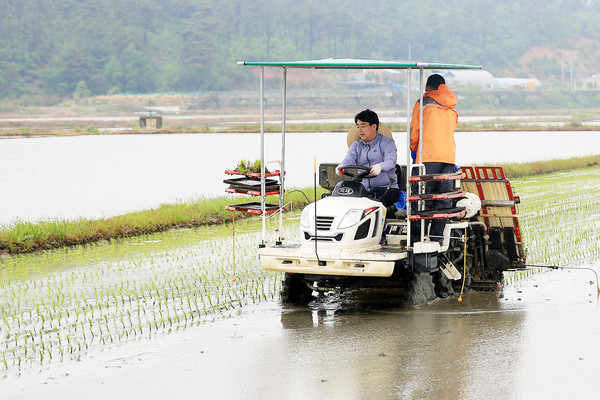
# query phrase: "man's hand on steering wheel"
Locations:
[[375, 169], [363, 172]]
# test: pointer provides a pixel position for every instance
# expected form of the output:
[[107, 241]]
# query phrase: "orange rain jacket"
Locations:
[[439, 123]]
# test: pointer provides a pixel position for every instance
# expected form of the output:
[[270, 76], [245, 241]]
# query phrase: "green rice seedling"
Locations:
[[560, 227]]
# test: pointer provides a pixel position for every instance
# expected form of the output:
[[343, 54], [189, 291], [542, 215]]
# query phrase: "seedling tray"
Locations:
[[253, 208], [250, 183]]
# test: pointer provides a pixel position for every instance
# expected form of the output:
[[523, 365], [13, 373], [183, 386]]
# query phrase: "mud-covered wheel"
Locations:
[[294, 290], [443, 286]]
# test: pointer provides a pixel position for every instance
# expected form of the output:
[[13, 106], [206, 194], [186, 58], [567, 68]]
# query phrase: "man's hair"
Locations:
[[368, 116], [435, 81]]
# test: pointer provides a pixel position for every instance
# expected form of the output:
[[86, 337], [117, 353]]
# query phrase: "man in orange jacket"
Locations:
[[437, 148]]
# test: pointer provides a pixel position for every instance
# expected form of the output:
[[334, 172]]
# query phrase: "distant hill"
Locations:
[[77, 48], [554, 65]]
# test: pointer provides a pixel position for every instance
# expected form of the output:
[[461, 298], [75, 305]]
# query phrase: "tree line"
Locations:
[[59, 47]]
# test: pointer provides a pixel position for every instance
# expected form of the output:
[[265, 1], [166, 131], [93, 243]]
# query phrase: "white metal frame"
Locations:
[[342, 64]]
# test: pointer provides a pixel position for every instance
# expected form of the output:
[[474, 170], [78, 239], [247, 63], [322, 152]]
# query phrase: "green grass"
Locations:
[[23, 237], [515, 170]]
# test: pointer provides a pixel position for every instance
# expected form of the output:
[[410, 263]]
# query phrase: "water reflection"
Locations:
[[372, 347], [498, 346]]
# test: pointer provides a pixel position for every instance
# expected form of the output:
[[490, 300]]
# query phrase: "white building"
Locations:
[[477, 77], [458, 78], [512, 83]]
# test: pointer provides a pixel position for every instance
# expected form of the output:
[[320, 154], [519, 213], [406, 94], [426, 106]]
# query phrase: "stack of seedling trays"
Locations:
[[250, 183]]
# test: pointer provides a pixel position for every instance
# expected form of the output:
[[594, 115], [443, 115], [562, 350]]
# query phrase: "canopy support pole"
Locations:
[[421, 184], [408, 157], [282, 164], [263, 199]]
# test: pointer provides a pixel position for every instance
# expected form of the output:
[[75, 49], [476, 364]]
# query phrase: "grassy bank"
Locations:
[[23, 237], [518, 170]]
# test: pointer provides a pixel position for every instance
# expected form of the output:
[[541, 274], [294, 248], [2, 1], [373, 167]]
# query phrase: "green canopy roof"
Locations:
[[333, 63]]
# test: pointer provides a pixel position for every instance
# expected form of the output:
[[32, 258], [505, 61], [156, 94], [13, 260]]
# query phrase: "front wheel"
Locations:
[[294, 290]]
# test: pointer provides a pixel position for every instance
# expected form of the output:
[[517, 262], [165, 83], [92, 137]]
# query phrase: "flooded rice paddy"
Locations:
[[176, 314], [59, 304]]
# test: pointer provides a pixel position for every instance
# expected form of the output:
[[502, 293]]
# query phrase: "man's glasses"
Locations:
[[359, 126]]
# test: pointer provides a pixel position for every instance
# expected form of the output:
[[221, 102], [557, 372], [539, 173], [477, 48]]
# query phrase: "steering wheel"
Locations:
[[362, 173]]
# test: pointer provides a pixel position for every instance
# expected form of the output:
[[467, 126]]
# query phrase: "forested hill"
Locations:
[[141, 46]]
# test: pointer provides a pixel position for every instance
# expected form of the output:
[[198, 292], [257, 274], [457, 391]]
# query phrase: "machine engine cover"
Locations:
[[471, 203]]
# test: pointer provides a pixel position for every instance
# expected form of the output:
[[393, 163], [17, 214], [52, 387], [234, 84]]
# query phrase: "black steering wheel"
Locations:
[[362, 173]]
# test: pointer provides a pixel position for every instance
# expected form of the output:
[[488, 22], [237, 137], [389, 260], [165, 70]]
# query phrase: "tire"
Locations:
[[294, 290]]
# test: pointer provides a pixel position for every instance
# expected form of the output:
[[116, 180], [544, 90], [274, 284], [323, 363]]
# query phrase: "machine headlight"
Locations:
[[351, 218], [305, 217]]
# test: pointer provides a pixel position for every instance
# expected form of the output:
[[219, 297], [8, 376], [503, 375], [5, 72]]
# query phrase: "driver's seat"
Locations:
[[349, 189]]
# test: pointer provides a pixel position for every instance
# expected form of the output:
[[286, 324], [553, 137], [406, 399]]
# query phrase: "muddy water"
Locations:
[[540, 338]]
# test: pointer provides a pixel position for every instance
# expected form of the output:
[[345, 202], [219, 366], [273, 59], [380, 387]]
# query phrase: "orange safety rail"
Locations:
[[437, 177], [251, 192], [437, 196]]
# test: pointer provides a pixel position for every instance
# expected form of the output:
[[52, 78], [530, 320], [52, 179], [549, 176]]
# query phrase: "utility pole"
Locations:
[[572, 81], [562, 72]]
